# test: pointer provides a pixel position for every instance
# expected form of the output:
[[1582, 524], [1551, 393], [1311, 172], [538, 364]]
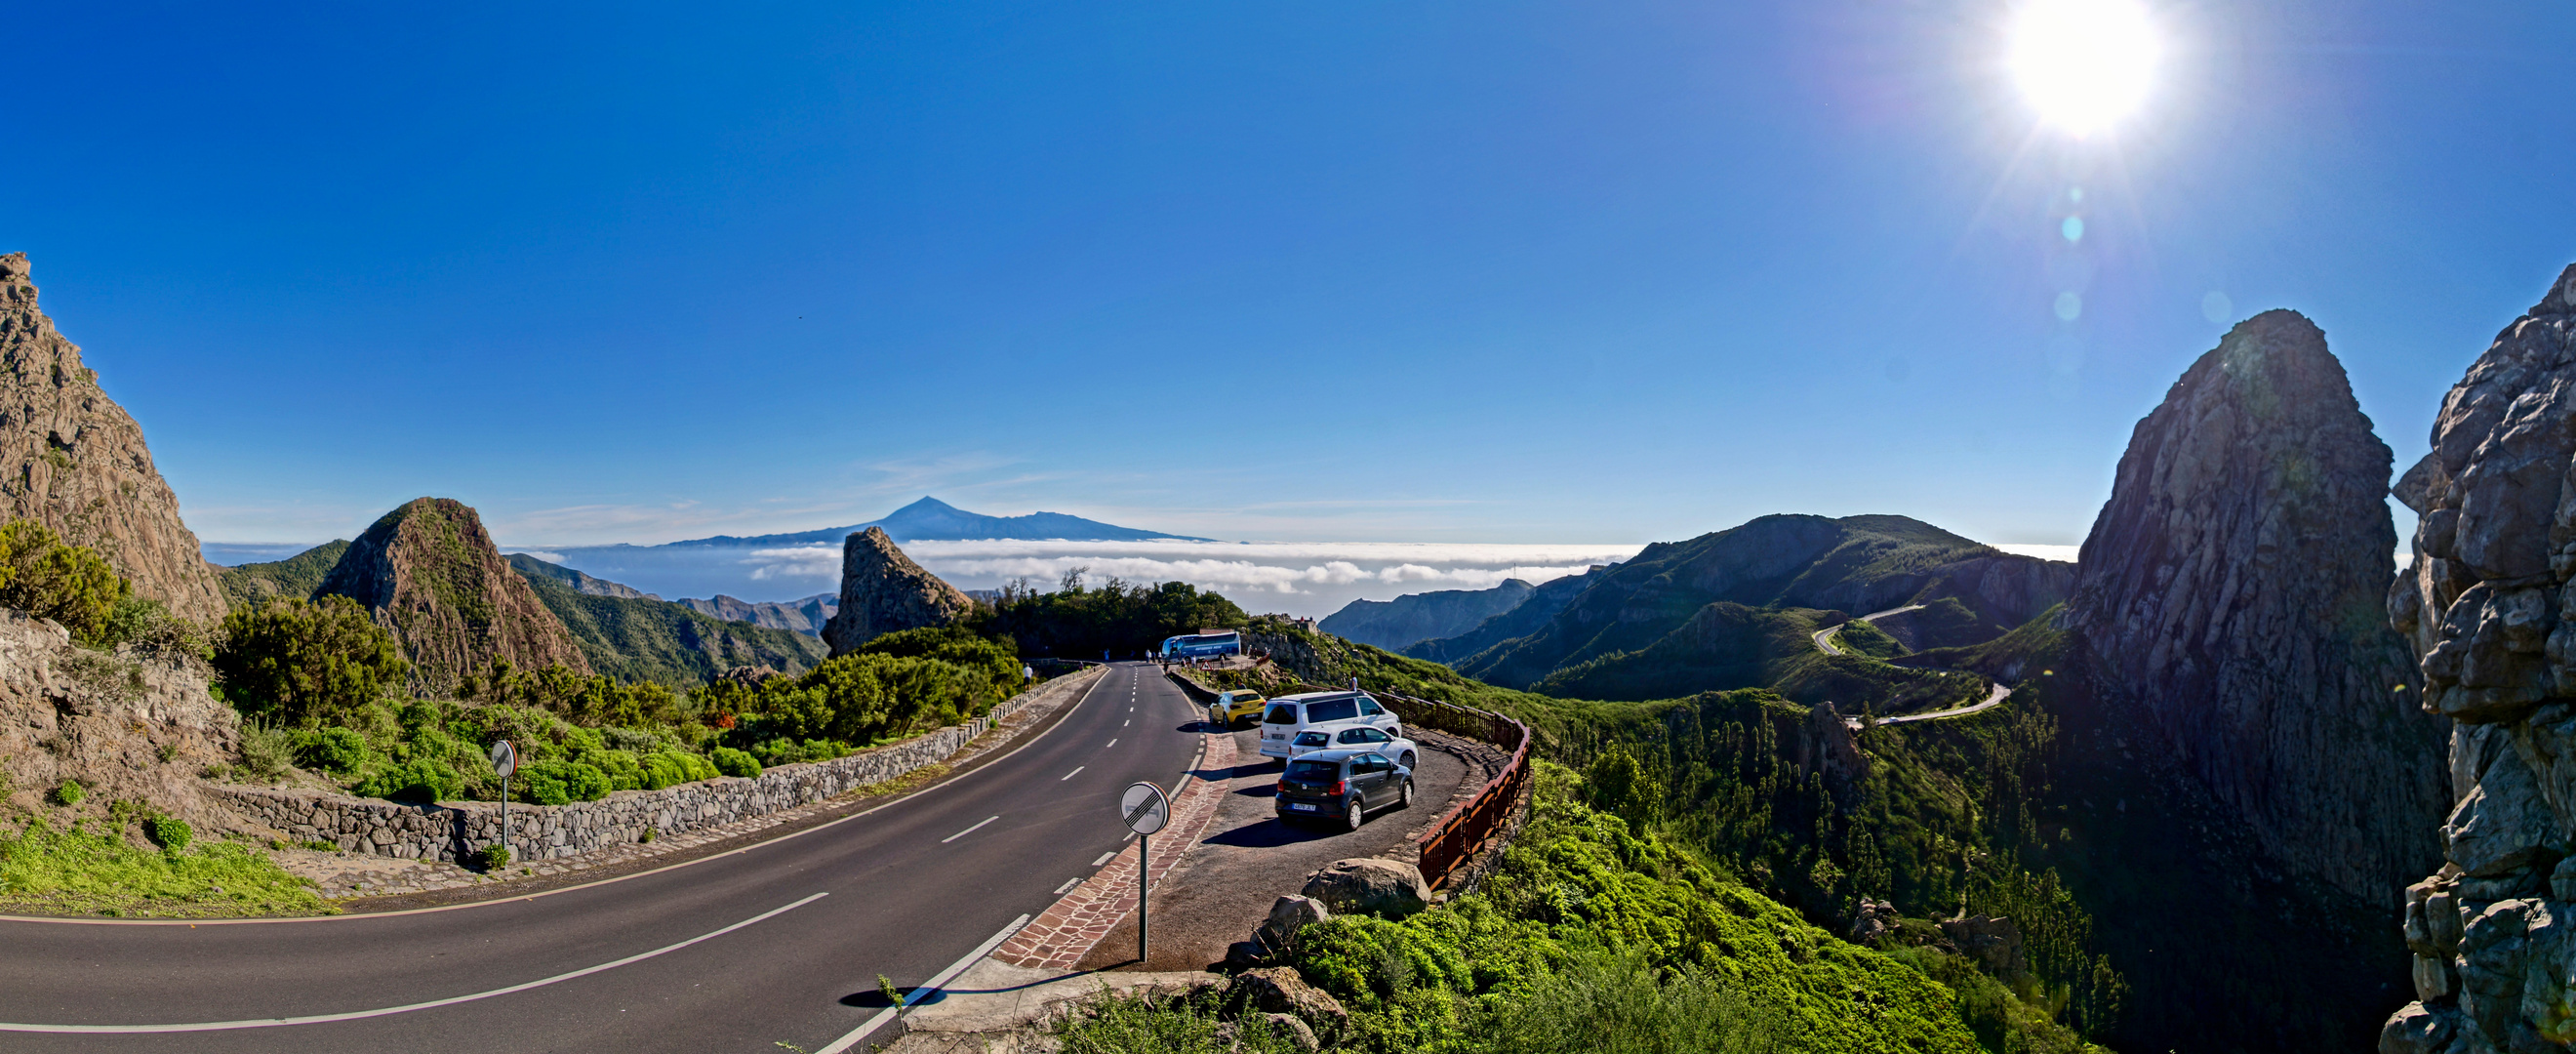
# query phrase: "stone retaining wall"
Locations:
[[454, 831]]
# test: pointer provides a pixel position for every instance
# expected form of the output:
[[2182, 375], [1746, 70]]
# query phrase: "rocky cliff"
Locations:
[[883, 591], [73, 459], [2227, 597], [2490, 604], [127, 725], [431, 574], [1415, 617]]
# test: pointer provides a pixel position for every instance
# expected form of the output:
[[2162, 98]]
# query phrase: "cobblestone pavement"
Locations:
[[361, 882], [1062, 934]]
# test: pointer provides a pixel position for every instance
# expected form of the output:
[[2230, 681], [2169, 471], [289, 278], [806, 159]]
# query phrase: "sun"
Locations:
[[2083, 64]]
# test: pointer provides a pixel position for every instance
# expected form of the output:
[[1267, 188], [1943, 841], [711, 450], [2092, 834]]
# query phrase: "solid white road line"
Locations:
[[942, 977], [1077, 770], [1068, 885], [968, 831], [1104, 858], [314, 1019]]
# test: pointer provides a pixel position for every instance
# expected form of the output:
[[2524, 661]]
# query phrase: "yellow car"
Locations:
[[1232, 707]]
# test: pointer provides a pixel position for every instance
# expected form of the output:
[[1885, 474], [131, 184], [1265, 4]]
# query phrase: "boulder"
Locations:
[[1994, 942], [1287, 916], [883, 591], [1876, 919], [1369, 886], [1279, 990], [2418, 1029]]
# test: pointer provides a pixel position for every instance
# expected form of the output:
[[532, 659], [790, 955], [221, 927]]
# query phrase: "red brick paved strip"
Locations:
[[1062, 934]]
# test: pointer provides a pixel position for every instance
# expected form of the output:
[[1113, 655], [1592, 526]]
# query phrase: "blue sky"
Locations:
[[1579, 272]]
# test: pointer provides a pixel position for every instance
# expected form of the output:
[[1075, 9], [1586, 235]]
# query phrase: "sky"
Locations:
[[1593, 273]]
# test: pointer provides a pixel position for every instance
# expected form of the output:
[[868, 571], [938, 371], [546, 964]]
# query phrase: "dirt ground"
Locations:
[[1248, 858]]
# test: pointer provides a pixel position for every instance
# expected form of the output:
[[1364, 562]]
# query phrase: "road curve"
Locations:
[[780, 942], [1824, 640]]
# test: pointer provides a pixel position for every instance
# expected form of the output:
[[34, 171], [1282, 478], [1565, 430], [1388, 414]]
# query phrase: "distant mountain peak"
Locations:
[[930, 519]]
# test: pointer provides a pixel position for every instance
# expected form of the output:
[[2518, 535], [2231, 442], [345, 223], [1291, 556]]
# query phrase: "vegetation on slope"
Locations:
[[1116, 618], [111, 867], [666, 643], [1598, 935], [297, 576]]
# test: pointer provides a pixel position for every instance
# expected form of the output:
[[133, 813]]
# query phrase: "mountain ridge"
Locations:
[[930, 519]]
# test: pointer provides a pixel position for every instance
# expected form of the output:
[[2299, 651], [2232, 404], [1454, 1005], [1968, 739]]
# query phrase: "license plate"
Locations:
[[1302, 808]]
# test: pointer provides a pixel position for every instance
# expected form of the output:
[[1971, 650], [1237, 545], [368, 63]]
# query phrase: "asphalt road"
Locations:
[[789, 936], [1997, 692]]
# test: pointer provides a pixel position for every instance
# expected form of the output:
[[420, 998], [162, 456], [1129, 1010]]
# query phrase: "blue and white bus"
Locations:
[[1203, 645]]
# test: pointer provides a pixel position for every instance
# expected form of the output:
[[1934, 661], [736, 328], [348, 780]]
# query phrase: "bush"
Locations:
[[168, 832], [70, 793], [733, 762], [301, 662], [494, 856], [69, 584], [1613, 1002], [555, 782], [336, 750], [266, 750], [79, 871], [784, 751], [419, 779]]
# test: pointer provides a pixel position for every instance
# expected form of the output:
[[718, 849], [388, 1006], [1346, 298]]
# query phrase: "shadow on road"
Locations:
[[873, 999], [1271, 835]]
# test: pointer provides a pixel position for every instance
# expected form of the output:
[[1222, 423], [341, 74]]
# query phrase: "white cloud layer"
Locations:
[[1304, 577], [2044, 552]]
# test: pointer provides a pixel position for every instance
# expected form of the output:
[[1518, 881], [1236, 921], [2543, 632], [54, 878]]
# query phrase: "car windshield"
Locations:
[[1332, 710], [1311, 739], [1313, 771], [1281, 714]]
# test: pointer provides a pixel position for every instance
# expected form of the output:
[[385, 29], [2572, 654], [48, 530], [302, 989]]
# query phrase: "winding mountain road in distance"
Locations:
[[782, 941], [1825, 640]]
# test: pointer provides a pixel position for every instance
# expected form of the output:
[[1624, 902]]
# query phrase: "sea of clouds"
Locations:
[[1300, 578]]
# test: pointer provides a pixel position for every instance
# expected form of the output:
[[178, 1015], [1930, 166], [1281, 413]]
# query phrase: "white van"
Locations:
[[1291, 714]]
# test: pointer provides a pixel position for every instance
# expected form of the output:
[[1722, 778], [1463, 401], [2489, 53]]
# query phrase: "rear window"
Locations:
[[1313, 771], [1312, 739], [1280, 714], [1332, 710]]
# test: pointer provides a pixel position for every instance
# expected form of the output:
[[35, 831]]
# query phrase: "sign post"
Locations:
[[505, 760], [1146, 809]]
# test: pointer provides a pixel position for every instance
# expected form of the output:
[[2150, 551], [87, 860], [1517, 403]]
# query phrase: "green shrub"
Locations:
[[421, 779], [69, 584], [267, 751], [69, 793], [1610, 1002], [784, 751], [169, 832], [670, 768], [297, 661], [335, 750], [555, 782], [734, 762], [494, 857]]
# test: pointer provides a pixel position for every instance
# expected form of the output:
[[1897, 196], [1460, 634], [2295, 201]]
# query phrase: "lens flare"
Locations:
[[2083, 64]]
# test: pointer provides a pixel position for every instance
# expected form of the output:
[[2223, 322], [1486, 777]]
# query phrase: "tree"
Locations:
[[70, 584], [301, 662]]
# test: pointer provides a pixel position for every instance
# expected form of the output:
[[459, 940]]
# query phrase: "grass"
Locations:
[[85, 870]]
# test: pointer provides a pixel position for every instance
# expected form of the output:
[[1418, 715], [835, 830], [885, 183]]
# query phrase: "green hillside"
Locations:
[[1645, 628], [296, 576], [659, 641]]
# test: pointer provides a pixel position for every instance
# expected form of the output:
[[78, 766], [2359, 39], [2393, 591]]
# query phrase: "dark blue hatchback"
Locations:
[[1342, 785]]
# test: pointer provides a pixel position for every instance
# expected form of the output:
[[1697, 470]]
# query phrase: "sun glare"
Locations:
[[2083, 64]]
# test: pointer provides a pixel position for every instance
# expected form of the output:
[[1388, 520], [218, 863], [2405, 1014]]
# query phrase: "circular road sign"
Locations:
[[504, 759], [1145, 808]]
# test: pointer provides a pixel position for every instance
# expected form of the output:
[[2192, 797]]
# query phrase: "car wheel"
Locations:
[[1353, 815], [1406, 802], [1407, 761]]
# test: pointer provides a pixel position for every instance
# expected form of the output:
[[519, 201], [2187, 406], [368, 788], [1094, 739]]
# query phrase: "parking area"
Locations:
[[1222, 889]]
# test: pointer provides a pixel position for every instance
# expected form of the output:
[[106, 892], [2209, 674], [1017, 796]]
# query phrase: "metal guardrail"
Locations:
[[1457, 835]]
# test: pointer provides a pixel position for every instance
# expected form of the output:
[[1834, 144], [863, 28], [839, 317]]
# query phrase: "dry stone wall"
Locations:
[[454, 831]]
